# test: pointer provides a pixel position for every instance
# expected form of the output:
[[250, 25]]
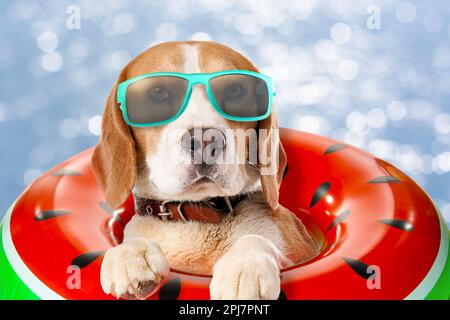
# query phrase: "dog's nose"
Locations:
[[204, 144]]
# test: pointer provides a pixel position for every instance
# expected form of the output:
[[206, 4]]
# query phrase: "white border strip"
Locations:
[[25, 274], [427, 284]]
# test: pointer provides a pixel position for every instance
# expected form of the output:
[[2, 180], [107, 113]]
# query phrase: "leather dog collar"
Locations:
[[208, 211]]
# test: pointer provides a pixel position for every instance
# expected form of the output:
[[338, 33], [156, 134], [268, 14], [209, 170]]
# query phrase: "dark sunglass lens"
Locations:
[[155, 99], [241, 95]]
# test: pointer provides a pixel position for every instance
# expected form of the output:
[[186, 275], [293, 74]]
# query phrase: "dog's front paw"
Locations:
[[133, 270], [255, 276]]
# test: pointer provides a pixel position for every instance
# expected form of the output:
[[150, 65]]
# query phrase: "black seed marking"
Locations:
[[65, 172], [385, 179], [119, 220], [399, 224], [320, 192], [171, 290], [282, 296], [359, 267], [49, 214], [335, 147], [339, 219], [85, 259], [285, 172], [106, 208]]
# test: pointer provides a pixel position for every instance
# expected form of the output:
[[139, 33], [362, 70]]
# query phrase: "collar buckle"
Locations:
[[164, 212]]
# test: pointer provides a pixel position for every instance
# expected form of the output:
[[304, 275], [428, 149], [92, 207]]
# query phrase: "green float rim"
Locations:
[[17, 282], [439, 274]]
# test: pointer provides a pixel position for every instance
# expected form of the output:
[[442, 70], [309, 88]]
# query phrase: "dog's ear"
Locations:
[[270, 148], [114, 158]]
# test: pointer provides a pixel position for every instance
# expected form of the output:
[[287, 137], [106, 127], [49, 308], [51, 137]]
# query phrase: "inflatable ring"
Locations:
[[382, 237]]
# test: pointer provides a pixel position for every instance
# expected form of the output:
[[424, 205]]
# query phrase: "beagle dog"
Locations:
[[244, 248]]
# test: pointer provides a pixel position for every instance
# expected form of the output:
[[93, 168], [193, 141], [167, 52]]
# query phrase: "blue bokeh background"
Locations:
[[382, 85]]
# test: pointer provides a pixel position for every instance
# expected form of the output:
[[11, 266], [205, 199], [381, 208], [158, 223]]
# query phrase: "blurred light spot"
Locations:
[[6, 55], [30, 175], [442, 82], [3, 113], [382, 148], [69, 128], [302, 10], [441, 163], [52, 61], [324, 85], [442, 123], [269, 50], [340, 33], [314, 91], [354, 138], [82, 77], [19, 10], [119, 59], [201, 36], [252, 40], [442, 139], [178, 10], [95, 124], [380, 65], [376, 118], [166, 31], [309, 124], [47, 41], [123, 23], [356, 122], [348, 70], [370, 90], [408, 159], [313, 124], [78, 50], [422, 109], [349, 137], [427, 167], [441, 57], [247, 24], [340, 99], [287, 26], [339, 133], [363, 39], [433, 22], [396, 110], [326, 50], [42, 155], [35, 66], [405, 12], [413, 76], [343, 8]]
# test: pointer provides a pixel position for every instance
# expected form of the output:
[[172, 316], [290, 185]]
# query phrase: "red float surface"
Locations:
[[363, 238]]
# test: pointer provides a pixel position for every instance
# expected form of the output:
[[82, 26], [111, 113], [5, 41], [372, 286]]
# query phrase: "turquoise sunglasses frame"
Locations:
[[194, 79]]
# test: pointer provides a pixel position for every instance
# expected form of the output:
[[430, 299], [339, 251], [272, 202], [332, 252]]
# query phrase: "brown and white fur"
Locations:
[[245, 251]]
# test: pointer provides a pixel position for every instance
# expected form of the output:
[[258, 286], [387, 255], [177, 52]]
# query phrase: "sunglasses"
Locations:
[[155, 99]]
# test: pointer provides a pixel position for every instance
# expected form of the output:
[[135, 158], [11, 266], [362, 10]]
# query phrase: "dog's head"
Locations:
[[156, 162]]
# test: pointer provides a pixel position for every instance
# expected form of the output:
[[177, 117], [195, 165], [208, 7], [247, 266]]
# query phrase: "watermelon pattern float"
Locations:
[[381, 235]]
